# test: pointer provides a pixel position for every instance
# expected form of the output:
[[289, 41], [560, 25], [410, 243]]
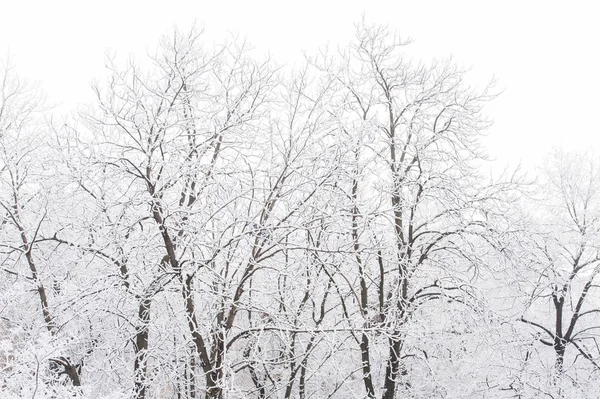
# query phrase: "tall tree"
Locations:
[[565, 263], [416, 207], [30, 206]]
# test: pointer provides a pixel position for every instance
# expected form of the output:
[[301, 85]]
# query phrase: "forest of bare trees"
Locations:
[[218, 226]]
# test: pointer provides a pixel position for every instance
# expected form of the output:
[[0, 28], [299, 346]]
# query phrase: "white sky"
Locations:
[[545, 54]]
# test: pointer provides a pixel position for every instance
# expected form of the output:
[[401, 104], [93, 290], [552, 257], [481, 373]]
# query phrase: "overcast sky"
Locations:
[[545, 54]]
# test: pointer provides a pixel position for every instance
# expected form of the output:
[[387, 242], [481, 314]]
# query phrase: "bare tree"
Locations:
[[416, 207], [165, 134], [24, 200], [213, 183], [564, 262]]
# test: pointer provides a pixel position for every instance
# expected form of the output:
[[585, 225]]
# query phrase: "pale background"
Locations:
[[545, 54]]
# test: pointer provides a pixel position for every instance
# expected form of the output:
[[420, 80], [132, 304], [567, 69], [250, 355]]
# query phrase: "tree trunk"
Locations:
[[559, 350], [213, 390], [140, 367], [559, 341], [366, 366], [392, 369]]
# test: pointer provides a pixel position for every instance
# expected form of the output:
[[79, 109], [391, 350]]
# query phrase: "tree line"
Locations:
[[218, 226]]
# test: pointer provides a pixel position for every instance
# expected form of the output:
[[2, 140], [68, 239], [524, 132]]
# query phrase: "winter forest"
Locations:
[[218, 226]]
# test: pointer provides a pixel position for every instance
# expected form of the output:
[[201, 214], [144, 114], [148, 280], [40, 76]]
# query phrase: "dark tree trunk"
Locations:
[[559, 341], [559, 349], [213, 390], [366, 366], [141, 350], [392, 369], [70, 369]]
